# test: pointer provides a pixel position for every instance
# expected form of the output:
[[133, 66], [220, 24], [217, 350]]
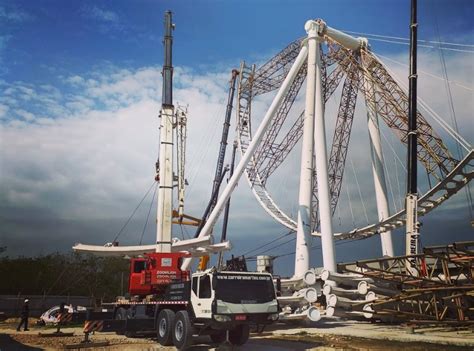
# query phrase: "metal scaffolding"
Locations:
[[439, 289]]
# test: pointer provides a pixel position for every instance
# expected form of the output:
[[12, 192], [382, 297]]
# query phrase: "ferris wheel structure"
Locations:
[[334, 61]]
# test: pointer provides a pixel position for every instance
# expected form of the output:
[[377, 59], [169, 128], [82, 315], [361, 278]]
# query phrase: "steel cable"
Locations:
[[134, 211]]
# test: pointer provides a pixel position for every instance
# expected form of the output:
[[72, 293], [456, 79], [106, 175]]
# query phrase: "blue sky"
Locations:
[[81, 84], [74, 36]]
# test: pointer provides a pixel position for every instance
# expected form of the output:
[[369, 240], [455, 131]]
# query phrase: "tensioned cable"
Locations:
[[74, 283], [451, 105], [183, 228], [396, 158], [427, 73], [134, 211], [393, 150], [390, 145], [408, 40], [254, 257], [397, 161], [204, 145], [446, 126], [270, 242], [148, 214], [203, 156], [424, 46], [338, 209], [57, 280], [279, 245], [397, 172], [337, 243], [453, 113], [438, 119], [387, 176], [182, 231], [204, 140], [350, 205], [428, 109], [360, 192], [274, 247], [448, 89]]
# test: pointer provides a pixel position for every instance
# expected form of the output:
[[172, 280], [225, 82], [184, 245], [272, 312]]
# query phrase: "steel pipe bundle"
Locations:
[[344, 278]]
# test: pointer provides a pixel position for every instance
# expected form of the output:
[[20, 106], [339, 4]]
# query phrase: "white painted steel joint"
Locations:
[[314, 28], [320, 28]]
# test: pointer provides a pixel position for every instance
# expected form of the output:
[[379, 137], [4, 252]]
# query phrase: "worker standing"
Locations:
[[25, 313]]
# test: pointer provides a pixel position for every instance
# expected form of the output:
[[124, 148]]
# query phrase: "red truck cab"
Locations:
[[152, 273]]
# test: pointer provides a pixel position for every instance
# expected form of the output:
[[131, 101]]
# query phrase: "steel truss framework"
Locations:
[[440, 290], [387, 100]]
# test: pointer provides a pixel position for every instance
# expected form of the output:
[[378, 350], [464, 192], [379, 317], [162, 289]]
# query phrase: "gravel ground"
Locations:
[[329, 335], [387, 334]]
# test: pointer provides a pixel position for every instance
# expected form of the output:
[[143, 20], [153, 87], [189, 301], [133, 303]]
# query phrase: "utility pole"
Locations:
[[412, 226]]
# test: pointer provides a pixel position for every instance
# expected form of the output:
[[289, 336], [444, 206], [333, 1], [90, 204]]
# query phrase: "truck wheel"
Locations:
[[120, 314], [218, 337], [239, 335], [164, 327], [182, 330]]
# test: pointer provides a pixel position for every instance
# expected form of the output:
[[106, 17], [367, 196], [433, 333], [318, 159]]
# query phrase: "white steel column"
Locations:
[[303, 230], [378, 170], [327, 241], [239, 170], [165, 191]]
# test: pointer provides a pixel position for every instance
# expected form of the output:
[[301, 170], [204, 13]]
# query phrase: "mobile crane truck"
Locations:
[[164, 297], [177, 305]]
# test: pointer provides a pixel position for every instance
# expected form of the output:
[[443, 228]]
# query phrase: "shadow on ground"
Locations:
[[7, 343]]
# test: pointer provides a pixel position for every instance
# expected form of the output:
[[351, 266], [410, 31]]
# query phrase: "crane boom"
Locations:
[[165, 162], [225, 134], [221, 157], [411, 200]]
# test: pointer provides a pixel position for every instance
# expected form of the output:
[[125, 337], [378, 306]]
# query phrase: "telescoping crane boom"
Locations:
[[164, 297], [218, 176], [411, 200], [165, 190], [172, 121]]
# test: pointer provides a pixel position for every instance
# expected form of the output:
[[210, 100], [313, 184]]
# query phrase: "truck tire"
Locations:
[[182, 330], [120, 314], [218, 337], [239, 335], [164, 327]]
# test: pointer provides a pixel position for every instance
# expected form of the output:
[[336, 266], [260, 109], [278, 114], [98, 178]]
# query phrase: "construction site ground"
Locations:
[[325, 335]]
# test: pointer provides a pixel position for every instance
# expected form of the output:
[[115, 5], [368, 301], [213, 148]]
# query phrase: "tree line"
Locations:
[[64, 274]]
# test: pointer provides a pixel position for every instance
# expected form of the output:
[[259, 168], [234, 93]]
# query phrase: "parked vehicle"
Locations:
[[51, 315], [177, 305]]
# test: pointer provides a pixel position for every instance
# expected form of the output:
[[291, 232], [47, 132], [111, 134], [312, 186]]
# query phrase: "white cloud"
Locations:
[[90, 152], [27, 116], [101, 154], [14, 15], [3, 44], [75, 80], [102, 14], [107, 21], [3, 110]]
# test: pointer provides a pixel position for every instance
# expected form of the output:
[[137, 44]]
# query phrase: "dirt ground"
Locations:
[[327, 335]]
